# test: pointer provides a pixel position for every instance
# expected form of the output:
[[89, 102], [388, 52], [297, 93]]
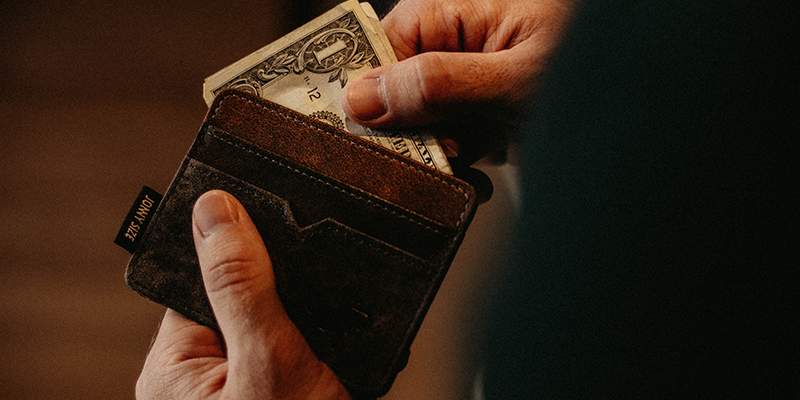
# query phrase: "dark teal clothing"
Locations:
[[658, 246]]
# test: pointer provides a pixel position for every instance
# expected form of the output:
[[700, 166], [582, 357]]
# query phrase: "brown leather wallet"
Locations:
[[360, 237]]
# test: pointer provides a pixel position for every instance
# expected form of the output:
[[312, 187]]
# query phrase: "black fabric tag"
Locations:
[[130, 234]]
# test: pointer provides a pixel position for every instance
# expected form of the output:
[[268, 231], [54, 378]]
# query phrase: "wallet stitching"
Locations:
[[337, 188], [402, 162], [347, 234], [357, 237], [403, 258]]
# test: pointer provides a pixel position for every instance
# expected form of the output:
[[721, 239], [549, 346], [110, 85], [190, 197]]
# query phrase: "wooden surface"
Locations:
[[98, 99]]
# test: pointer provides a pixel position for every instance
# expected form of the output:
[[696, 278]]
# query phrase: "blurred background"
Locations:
[[102, 97]]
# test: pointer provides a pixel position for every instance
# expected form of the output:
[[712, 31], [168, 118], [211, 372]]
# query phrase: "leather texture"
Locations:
[[360, 237]]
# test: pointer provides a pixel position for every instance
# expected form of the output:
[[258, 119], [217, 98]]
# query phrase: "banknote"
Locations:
[[308, 69]]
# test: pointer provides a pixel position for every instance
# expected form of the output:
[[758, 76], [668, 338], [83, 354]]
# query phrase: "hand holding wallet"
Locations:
[[360, 237]]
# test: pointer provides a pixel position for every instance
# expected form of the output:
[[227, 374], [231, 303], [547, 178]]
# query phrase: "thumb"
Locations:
[[435, 86], [263, 345], [237, 271]]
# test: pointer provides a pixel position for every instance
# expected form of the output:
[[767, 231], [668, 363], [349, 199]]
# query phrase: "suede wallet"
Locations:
[[360, 237]]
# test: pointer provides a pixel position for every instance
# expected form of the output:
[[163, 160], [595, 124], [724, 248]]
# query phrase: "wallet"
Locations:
[[360, 237]]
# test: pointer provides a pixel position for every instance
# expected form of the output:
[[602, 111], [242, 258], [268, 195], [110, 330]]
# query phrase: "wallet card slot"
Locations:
[[313, 197], [344, 157], [357, 308], [355, 298]]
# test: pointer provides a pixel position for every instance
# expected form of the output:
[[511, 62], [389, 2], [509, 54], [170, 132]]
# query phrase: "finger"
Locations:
[[180, 338], [431, 87], [179, 341], [267, 355], [237, 271], [410, 28]]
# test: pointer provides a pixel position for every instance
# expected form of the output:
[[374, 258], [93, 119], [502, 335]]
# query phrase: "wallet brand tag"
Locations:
[[140, 214]]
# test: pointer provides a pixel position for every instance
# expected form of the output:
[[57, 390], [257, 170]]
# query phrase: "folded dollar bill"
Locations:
[[307, 70]]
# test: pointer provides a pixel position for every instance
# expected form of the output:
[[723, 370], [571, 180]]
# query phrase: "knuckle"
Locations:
[[142, 386], [155, 384], [230, 265], [444, 81], [230, 275], [432, 81]]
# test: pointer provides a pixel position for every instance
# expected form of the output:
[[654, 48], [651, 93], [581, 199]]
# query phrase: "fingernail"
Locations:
[[449, 146], [364, 98], [213, 209]]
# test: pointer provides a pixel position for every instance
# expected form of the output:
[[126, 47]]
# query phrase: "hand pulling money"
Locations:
[[308, 69]]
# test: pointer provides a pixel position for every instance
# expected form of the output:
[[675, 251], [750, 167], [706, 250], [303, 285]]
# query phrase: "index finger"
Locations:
[[415, 26], [180, 338]]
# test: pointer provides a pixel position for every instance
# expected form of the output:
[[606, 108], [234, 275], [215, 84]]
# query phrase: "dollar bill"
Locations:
[[308, 69]]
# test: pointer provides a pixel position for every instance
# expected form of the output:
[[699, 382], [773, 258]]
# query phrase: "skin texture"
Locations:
[[463, 64], [466, 66], [263, 355]]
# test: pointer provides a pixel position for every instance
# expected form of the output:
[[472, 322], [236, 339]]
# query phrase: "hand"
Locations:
[[463, 63], [263, 355]]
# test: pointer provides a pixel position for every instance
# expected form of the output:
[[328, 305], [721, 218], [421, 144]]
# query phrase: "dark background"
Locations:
[[101, 97]]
